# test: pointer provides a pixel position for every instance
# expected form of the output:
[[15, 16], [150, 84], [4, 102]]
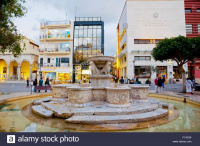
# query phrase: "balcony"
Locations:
[[55, 51], [55, 36], [55, 65], [50, 23]]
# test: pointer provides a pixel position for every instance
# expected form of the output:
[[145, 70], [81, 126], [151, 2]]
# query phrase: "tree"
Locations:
[[180, 49], [10, 39]]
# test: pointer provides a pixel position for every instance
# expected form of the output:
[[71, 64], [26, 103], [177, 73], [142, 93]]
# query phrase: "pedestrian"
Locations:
[[116, 80], [189, 86], [122, 80], [34, 84], [132, 81], [194, 84], [40, 83], [163, 81], [47, 82], [137, 80], [156, 85], [160, 88], [27, 83], [79, 81]]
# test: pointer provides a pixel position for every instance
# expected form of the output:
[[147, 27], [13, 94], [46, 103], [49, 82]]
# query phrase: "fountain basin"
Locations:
[[139, 92], [100, 81], [99, 94], [100, 61], [78, 95], [60, 91], [118, 96]]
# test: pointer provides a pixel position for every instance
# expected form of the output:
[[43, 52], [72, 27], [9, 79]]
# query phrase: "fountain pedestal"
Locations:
[[100, 81]]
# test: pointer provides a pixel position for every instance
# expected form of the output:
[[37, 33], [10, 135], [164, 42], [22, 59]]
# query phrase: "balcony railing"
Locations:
[[55, 65], [64, 22], [88, 19], [55, 50], [55, 36]]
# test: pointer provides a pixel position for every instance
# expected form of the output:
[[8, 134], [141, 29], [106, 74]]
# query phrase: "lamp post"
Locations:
[[40, 70], [31, 86]]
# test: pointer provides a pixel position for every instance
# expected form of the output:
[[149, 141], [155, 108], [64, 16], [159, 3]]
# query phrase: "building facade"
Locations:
[[192, 17], [88, 41], [22, 67], [141, 26], [55, 58]]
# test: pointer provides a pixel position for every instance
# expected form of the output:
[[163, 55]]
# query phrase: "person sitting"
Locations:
[[40, 83], [47, 83]]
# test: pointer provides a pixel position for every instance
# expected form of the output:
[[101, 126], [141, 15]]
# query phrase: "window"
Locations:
[[157, 41], [198, 10], [41, 62], [149, 41], [137, 41], [188, 10], [64, 60], [48, 60], [198, 28], [143, 71], [177, 72], [124, 59], [142, 58], [189, 28]]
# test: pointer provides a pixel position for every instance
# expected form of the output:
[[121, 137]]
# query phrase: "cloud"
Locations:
[[54, 10]]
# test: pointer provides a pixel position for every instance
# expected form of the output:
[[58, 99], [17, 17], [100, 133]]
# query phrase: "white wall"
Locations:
[[152, 20]]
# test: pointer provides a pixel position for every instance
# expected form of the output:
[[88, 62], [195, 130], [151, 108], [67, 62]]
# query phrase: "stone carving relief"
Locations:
[[94, 69]]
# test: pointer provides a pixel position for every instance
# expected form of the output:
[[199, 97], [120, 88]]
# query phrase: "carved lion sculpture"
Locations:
[[94, 69], [106, 68]]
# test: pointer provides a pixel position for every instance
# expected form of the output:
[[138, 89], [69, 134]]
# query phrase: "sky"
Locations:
[[39, 11]]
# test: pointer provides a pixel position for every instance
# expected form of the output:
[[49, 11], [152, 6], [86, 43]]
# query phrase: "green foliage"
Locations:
[[181, 49], [9, 38]]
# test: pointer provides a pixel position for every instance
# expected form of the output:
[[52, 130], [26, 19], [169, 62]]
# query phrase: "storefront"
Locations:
[[82, 73], [177, 73], [57, 75], [64, 78], [162, 72]]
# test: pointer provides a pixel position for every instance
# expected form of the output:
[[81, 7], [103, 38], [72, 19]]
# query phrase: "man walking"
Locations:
[[160, 87]]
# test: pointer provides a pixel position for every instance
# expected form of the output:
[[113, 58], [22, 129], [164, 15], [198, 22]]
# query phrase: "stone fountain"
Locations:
[[99, 102]]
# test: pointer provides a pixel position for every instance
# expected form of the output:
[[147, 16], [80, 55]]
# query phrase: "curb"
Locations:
[[22, 97], [182, 99]]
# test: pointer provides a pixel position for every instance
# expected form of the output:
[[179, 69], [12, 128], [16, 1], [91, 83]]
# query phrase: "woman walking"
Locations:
[[35, 84], [189, 85]]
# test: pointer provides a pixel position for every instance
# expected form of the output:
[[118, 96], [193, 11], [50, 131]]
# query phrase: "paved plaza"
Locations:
[[10, 90], [21, 87]]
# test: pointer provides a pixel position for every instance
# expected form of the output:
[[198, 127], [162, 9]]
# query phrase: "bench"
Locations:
[[37, 88]]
